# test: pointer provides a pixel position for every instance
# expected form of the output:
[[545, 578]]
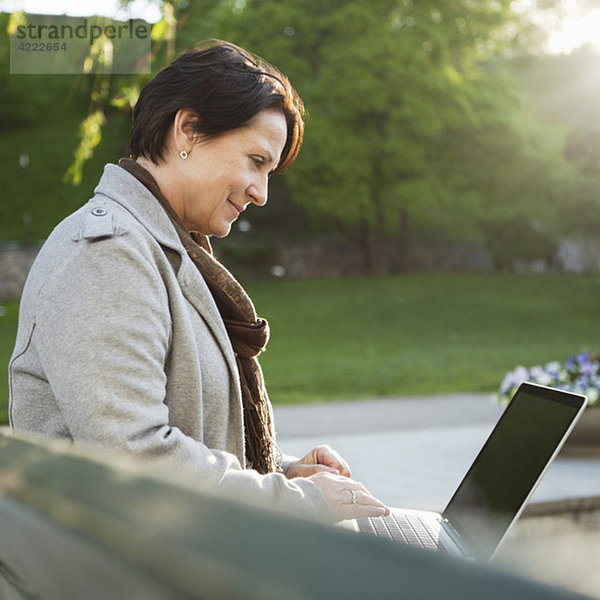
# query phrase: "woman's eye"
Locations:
[[259, 162]]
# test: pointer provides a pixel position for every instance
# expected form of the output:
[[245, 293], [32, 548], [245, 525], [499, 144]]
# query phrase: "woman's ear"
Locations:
[[184, 129]]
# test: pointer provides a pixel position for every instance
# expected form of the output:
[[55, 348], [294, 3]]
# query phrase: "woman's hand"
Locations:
[[348, 499], [321, 459]]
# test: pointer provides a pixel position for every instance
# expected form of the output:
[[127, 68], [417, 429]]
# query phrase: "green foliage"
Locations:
[[562, 95], [512, 240], [562, 90], [583, 149], [579, 211], [50, 140], [412, 118], [418, 123], [90, 136], [119, 92], [69, 130]]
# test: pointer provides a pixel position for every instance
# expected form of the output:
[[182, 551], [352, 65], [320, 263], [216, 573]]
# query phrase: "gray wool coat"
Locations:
[[120, 344]]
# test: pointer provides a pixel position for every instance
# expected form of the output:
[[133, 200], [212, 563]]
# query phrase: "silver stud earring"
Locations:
[[183, 154]]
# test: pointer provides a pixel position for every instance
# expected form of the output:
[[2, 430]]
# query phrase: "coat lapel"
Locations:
[[196, 291], [118, 185]]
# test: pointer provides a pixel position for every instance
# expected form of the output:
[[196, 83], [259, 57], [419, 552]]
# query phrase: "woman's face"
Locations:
[[220, 177]]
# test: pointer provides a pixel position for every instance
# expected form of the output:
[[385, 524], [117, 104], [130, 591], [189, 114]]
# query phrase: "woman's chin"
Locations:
[[222, 231]]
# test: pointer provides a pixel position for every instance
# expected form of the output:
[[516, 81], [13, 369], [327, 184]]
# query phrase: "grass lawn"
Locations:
[[412, 334], [419, 334]]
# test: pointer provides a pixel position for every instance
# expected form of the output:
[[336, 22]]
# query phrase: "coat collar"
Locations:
[[124, 189]]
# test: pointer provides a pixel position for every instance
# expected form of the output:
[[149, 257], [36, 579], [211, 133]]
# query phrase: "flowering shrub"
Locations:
[[579, 373]]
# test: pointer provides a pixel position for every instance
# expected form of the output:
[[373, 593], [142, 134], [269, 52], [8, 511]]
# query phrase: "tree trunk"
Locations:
[[376, 244], [373, 247], [404, 241]]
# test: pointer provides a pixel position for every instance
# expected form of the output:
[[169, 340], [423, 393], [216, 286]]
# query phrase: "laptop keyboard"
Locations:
[[406, 528]]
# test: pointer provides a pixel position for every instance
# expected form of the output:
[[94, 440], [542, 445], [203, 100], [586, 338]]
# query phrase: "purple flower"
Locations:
[[583, 357], [553, 368], [588, 368], [571, 363], [519, 375], [579, 374], [512, 380], [539, 375]]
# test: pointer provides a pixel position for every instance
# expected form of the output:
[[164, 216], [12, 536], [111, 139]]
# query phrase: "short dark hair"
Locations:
[[226, 86]]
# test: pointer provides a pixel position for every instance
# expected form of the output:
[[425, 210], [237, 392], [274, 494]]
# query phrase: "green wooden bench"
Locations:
[[74, 526]]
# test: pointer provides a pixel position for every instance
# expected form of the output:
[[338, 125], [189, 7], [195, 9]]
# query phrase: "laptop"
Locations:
[[502, 478]]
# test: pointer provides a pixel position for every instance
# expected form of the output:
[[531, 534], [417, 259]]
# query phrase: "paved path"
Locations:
[[413, 452]]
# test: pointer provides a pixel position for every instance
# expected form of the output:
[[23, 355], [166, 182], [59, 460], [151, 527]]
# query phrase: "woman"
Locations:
[[131, 335]]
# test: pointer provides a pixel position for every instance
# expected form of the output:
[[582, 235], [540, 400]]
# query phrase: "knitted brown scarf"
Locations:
[[248, 333]]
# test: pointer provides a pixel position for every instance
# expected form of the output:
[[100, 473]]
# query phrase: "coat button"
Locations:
[[99, 211]]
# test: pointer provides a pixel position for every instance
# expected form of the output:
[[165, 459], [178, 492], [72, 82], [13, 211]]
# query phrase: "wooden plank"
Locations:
[[73, 526], [12, 587]]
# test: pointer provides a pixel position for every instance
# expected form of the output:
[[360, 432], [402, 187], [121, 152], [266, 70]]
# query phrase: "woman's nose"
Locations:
[[258, 191]]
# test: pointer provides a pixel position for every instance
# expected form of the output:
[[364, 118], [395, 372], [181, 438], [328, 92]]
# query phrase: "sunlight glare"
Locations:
[[568, 25], [575, 31]]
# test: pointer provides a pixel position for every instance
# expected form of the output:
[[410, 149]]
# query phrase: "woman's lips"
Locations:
[[237, 208]]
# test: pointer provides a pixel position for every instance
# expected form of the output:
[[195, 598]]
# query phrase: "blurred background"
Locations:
[[440, 226]]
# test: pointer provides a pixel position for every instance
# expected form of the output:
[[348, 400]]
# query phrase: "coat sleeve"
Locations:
[[102, 333]]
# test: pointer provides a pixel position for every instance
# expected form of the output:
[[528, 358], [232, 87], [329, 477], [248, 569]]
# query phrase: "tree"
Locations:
[[386, 83], [583, 149], [121, 92], [413, 117], [562, 93]]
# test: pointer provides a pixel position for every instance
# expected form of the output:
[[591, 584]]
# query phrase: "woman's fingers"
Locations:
[[300, 470], [361, 511], [348, 499], [360, 496], [321, 458], [326, 455], [361, 504]]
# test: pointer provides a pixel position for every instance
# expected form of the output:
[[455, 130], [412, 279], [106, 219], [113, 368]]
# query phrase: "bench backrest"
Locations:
[[73, 527]]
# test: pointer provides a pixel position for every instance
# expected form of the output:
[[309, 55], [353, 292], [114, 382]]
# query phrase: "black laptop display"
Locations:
[[498, 484], [510, 464]]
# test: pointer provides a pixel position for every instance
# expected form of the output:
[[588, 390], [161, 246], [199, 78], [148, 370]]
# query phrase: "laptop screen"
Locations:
[[510, 464]]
